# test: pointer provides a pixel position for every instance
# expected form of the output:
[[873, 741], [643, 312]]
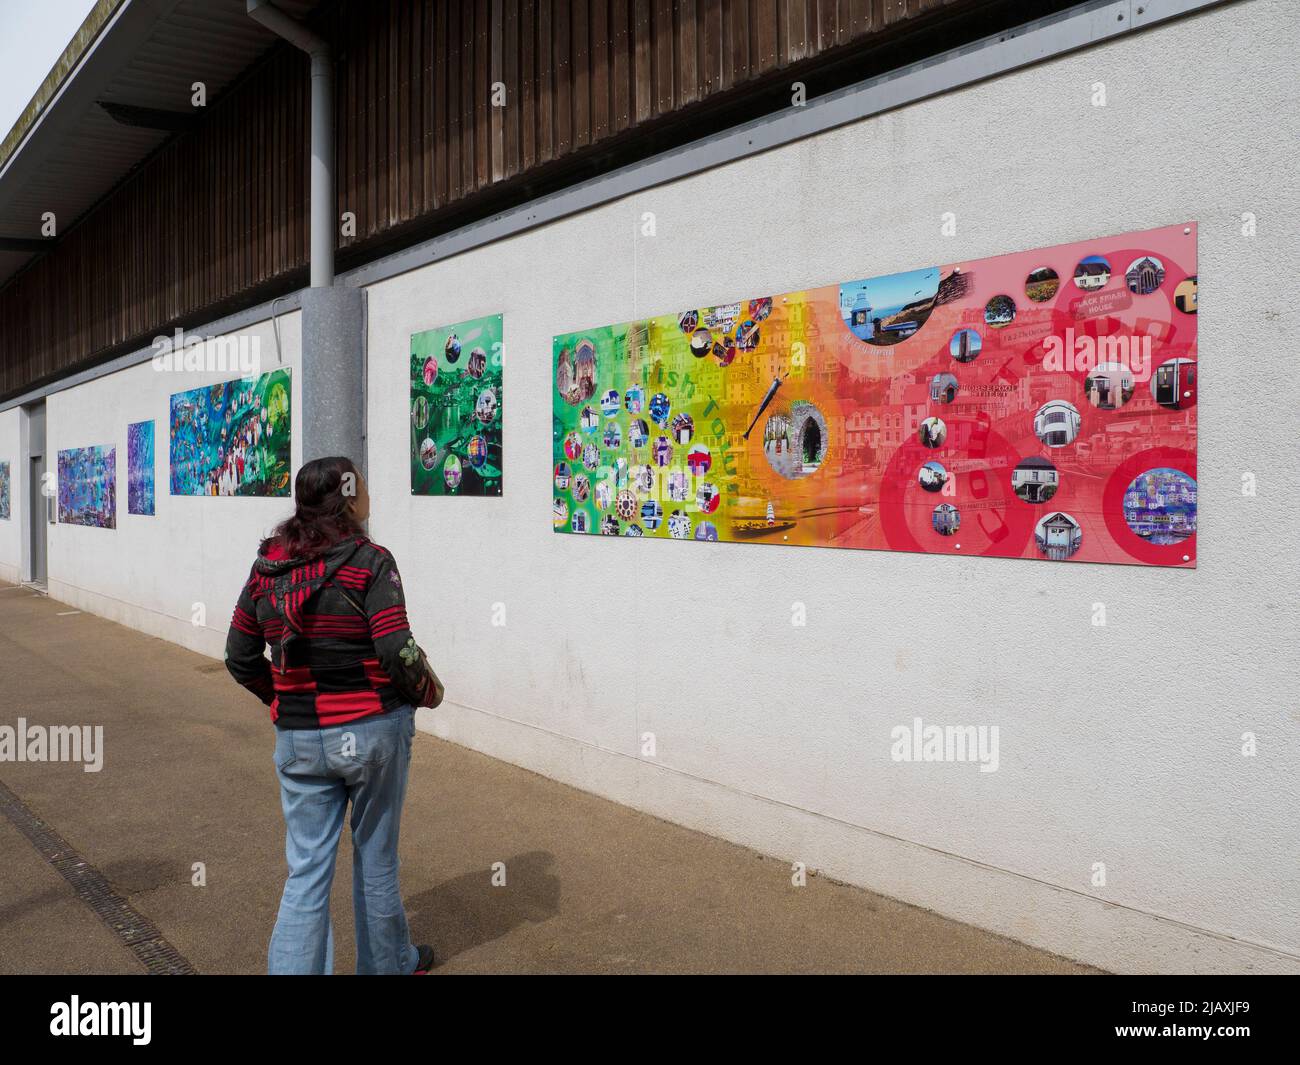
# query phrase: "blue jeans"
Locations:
[[320, 770]]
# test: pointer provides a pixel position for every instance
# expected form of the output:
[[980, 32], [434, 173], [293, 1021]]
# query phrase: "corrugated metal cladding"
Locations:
[[218, 216]]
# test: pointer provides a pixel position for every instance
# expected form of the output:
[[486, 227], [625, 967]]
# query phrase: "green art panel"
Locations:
[[456, 397]]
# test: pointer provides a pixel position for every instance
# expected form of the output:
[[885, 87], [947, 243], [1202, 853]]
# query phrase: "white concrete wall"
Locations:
[[779, 737], [11, 531], [150, 572], [1119, 745]]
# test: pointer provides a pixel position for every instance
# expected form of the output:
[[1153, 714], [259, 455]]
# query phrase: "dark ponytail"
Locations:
[[321, 515]]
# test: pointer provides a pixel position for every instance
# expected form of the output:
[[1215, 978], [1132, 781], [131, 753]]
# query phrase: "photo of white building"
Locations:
[[1035, 480], [1058, 535], [1057, 423]]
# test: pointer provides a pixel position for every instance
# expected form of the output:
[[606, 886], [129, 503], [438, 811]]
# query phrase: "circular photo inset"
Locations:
[[1000, 311], [932, 432], [588, 419], [573, 445], [659, 407], [452, 472], [706, 530], [663, 451], [625, 504], [604, 495], [451, 349], [613, 436], [1160, 506], [638, 433], [428, 453], [1173, 385], [965, 345], [581, 488], [747, 335], [698, 460], [795, 439], [1058, 535], [1109, 386], [1185, 295], [420, 412], [1041, 284], [943, 387], [579, 522], [932, 477], [724, 350], [679, 486], [679, 525], [707, 497], [946, 519], [683, 428], [1144, 275], [1035, 480], [687, 321], [590, 456], [884, 311], [562, 476], [1057, 423], [486, 407], [643, 479], [609, 526], [620, 473], [760, 308], [610, 403], [701, 343], [565, 374], [477, 451], [559, 512], [575, 372], [652, 514], [633, 530], [477, 363], [430, 370], [1093, 272], [634, 399]]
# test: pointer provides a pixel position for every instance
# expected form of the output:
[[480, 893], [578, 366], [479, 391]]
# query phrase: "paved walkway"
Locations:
[[187, 778]]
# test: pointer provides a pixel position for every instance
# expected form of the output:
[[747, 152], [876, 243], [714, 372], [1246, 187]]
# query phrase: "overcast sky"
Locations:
[[33, 34]]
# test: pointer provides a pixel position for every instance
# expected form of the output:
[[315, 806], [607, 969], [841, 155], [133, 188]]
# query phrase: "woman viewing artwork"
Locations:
[[343, 680]]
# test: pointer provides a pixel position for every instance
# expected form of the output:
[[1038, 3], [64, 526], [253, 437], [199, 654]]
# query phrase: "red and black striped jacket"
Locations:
[[341, 647]]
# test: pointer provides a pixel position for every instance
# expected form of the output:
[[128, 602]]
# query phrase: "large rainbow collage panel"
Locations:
[[1034, 405]]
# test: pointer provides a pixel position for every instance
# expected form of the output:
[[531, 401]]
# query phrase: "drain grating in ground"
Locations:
[[136, 931]]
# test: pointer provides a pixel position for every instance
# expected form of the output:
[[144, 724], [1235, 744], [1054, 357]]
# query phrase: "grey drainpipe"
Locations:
[[333, 317], [322, 132]]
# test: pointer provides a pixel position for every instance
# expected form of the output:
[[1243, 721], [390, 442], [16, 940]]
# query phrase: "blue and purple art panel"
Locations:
[[232, 438], [88, 486], [139, 468]]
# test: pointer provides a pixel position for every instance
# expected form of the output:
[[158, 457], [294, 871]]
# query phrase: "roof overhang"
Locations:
[[122, 88]]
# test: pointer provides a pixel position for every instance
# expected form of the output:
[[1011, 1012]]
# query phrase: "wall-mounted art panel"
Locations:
[[4, 491], [1034, 405], [456, 407], [139, 468], [233, 438], [88, 486]]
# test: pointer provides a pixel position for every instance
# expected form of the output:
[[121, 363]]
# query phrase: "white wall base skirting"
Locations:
[[1086, 928], [9, 574], [199, 638], [1065, 921]]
